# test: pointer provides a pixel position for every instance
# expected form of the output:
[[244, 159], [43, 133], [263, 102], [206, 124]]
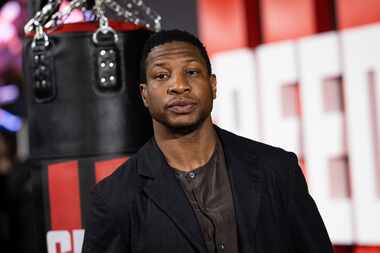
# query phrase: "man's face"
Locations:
[[178, 91]]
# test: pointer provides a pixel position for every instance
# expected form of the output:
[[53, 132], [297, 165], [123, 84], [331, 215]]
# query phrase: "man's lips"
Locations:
[[181, 106]]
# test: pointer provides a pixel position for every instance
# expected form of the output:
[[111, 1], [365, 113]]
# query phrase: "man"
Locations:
[[195, 187]]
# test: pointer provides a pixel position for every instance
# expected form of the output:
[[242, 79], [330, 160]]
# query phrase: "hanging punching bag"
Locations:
[[85, 118]]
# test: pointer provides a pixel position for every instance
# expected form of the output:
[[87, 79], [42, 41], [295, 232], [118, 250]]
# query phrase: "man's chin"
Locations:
[[183, 128], [183, 124]]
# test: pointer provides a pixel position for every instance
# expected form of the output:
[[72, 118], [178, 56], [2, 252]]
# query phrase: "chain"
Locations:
[[147, 16], [49, 17], [60, 17], [42, 16], [135, 11]]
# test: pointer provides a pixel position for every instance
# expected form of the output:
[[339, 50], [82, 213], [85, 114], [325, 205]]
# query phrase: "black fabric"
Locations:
[[209, 193], [142, 208], [17, 212]]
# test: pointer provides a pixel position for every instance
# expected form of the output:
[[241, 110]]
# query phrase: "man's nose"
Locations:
[[179, 85]]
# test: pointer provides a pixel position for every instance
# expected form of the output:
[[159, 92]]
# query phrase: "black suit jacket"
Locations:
[[141, 207]]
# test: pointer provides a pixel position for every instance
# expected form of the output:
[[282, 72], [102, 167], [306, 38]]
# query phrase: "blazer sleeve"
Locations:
[[309, 234], [101, 234]]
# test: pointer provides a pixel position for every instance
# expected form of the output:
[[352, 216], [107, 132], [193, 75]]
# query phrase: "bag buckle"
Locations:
[[40, 36], [43, 82], [104, 28], [107, 57]]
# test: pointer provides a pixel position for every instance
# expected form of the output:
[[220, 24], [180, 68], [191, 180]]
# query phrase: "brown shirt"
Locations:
[[209, 193]]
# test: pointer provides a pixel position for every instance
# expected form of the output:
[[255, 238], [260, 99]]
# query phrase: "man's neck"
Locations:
[[186, 151]]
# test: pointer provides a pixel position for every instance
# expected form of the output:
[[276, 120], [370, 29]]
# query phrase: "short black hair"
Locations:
[[166, 36]]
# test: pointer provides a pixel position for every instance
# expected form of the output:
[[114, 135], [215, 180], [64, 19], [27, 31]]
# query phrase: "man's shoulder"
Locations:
[[123, 179], [265, 155], [126, 178], [244, 144]]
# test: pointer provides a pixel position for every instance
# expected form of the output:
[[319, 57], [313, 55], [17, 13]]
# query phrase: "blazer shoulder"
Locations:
[[265, 154], [123, 181], [252, 146]]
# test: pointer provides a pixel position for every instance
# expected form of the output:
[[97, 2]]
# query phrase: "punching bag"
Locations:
[[85, 118]]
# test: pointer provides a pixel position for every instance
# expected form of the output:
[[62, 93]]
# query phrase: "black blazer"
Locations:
[[141, 207]]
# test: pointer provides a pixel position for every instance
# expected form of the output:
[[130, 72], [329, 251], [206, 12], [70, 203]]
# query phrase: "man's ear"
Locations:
[[143, 93], [213, 85]]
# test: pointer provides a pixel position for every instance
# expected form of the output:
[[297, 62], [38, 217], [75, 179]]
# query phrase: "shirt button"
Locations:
[[221, 246], [192, 175]]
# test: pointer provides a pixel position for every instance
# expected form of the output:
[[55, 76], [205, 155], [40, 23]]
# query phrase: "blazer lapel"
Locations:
[[166, 192], [246, 190]]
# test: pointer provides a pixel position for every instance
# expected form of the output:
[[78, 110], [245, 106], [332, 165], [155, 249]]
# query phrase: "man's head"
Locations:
[[167, 36], [177, 85]]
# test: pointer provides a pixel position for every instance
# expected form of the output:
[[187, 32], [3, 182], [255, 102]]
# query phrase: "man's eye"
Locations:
[[192, 72], [161, 76]]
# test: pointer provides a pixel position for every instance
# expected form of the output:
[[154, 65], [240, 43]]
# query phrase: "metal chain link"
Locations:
[[103, 23]]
